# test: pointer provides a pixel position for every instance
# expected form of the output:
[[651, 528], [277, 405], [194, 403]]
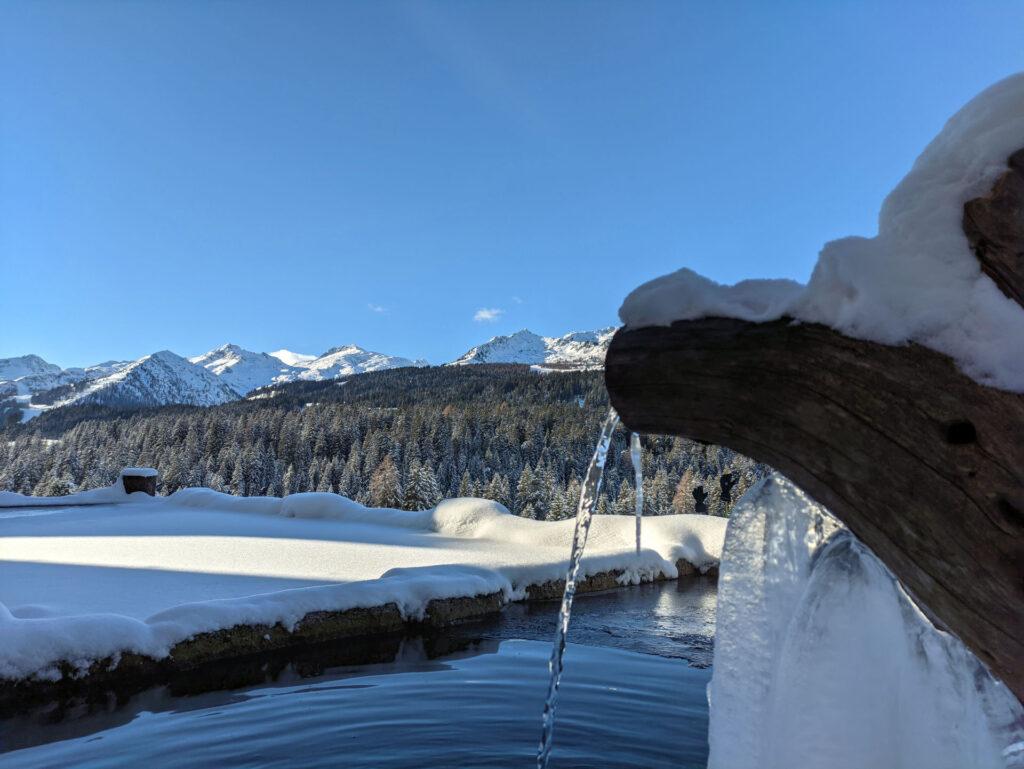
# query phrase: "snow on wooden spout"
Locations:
[[911, 433]]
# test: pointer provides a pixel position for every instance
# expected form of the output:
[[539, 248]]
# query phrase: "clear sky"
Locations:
[[416, 177]]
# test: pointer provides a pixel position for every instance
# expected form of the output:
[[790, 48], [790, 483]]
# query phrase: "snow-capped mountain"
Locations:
[[29, 374], [102, 369], [155, 380], [352, 359], [289, 358], [229, 372], [578, 349], [243, 370], [26, 365]]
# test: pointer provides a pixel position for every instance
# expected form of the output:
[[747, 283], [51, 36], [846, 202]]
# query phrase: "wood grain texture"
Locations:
[[994, 225], [922, 463]]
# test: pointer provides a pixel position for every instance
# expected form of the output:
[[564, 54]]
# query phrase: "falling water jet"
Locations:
[[584, 515], [637, 457]]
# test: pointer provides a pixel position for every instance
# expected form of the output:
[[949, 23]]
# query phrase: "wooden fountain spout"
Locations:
[[922, 463]]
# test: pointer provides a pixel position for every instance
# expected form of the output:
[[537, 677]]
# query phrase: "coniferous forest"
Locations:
[[400, 438]]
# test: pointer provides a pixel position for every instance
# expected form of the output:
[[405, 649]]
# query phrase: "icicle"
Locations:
[[584, 515], [637, 457]]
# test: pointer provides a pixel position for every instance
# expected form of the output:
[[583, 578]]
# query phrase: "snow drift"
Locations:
[[85, 583]]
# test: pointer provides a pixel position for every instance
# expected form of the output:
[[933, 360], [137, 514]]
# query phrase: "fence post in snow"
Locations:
[[139, 479]]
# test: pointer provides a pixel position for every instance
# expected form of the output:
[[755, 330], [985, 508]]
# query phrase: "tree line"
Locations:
[[402, 438]]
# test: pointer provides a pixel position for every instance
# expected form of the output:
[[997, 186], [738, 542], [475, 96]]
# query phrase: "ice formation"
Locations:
[[636, 454], [916, 280], [822, 660]]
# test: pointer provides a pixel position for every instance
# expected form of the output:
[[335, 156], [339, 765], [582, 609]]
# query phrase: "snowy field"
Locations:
[[81, 583]]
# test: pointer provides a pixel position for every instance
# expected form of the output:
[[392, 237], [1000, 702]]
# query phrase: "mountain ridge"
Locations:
[[231, 372], [577, 349]]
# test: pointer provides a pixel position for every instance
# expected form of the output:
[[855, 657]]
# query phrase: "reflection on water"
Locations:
[[465, 698]]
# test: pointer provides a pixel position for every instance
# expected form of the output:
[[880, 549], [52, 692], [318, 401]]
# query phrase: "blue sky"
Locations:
[[182, 174]]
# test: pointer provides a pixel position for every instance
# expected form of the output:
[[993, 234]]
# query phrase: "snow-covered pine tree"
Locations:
[[421, 491], [625, 502], [657, 493], [557, 508], [465, 485], [498, 489], [572, 496], [288, 482], [530, 494]]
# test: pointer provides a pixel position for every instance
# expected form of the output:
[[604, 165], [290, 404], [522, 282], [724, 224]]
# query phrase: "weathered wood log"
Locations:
[[994, 225], [922, 463]]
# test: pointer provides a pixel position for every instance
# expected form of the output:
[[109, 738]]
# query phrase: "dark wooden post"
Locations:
[[922, 463], [139, 479]]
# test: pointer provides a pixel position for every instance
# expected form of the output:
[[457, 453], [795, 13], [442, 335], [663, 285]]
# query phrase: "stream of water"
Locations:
[[636, 454], [584, 516]]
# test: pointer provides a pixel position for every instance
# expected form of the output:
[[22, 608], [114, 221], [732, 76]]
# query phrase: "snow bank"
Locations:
[[32, 645], [695, 538], [822, 660], [454, 516], [86, 583], [101, 496], [916, 280]]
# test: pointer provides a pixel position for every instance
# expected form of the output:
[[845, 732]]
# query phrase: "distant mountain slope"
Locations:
[[26, 365], [155, 380], [30, 374], [578, 349], [290, 358], [352, 359], [243, 370], [230, 372]]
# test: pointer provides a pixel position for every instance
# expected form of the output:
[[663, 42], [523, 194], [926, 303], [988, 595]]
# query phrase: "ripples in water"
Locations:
[[467, 699]]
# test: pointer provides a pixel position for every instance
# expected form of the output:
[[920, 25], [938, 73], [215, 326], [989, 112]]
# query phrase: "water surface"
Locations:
[[469, 698]]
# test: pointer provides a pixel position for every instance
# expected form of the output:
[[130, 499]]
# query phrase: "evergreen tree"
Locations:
[[498, 489], [529, 494], [484, 430], [558, 509], [682, 501], [288, 482], [421, 489], [385, 489], [572, 496], [657, 494], [466, 485], [625, 502]]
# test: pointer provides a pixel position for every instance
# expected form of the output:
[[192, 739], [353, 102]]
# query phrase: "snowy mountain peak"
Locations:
[[154, 380], [230, 371], [352, 359], [290, 358], [345, 348], [577, 349], [25, 365], [228, 349], [244, 370]]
